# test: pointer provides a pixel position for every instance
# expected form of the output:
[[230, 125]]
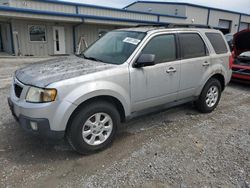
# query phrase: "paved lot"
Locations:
[[175, 148]]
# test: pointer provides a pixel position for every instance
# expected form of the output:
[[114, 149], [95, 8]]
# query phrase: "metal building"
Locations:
[[226, 21], [49, 27]]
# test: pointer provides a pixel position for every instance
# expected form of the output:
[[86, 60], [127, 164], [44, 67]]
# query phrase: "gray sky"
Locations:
[[233, 5]]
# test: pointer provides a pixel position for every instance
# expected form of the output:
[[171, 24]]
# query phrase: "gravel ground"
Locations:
[[176, 148]]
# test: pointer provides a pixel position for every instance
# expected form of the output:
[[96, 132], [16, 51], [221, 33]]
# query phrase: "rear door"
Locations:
[[194, 62]]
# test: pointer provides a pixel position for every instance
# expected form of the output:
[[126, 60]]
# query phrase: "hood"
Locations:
[[241, 42], [46, 72]]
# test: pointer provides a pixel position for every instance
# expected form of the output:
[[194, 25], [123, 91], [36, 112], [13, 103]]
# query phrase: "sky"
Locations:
[[233, 5]]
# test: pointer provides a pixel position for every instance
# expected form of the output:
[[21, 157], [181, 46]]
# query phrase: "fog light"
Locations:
[[34, 126]]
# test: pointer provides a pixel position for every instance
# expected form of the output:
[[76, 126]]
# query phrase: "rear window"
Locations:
[[192, 45], [217, 42]]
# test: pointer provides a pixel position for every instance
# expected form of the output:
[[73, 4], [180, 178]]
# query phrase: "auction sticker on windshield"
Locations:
[[132, 41]]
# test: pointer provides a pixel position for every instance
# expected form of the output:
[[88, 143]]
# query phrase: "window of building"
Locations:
[[37, 33], [163, 47], [217, 42], [192, 46]]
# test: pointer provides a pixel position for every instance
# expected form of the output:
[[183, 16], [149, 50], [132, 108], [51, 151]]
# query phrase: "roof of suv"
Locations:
[[149, 28]]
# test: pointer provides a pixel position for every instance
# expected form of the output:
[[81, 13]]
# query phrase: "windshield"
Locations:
[[115, 47]]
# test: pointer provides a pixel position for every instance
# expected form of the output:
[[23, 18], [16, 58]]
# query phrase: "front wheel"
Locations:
[[93, 127], [210, 96]]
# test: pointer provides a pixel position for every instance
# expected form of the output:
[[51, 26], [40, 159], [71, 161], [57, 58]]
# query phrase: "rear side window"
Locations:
[[192, 45], [163, 47], [217, 42]]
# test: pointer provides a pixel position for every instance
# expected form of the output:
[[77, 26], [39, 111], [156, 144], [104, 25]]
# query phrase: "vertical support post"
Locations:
[[208, 16], [77, 9], [74, 39], [12, 38], [239, 23]]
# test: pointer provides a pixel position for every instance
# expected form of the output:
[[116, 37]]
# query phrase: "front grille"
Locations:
[[18, 90]]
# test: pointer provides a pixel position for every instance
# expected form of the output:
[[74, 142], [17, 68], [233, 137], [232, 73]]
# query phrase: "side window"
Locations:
[[163, 47], [192, 45], [217, 42]]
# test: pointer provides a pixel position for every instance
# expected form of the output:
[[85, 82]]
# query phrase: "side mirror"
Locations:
[[145, 60]]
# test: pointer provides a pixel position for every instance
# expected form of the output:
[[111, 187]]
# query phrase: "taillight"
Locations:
[[231, 60]]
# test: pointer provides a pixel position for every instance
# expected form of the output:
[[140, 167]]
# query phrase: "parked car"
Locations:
[[122, 75], [241, 56]]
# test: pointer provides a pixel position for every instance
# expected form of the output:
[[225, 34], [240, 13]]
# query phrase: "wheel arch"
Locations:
[[221, 79], [111, 99], [217, 75]]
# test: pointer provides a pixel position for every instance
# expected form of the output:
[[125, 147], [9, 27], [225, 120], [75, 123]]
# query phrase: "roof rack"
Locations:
[[189, 26], [171, 25], [150, 25]]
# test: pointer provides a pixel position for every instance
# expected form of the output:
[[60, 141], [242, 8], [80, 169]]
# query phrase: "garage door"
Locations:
[[244, 26], [225, 26]]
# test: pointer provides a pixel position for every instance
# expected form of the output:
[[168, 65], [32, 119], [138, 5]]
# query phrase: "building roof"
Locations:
[[186, 4], [91, 16]]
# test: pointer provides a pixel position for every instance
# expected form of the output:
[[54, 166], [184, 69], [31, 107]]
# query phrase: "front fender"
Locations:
[[100, 88]]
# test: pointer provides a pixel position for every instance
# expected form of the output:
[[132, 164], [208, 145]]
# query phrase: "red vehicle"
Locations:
[[241, 56]]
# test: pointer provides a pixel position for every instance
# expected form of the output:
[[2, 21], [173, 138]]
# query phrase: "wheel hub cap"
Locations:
[[97, 129], [212, 96]]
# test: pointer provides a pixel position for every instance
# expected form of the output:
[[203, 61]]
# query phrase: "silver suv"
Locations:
[[124, 74]]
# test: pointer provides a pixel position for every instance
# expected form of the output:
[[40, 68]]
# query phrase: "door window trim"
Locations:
[[180, 47], [138, 53]]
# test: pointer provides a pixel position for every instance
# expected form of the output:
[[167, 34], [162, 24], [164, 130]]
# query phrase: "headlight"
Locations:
[[39, 95]]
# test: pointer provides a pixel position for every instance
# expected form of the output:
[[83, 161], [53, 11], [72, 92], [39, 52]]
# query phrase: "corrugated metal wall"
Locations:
[[116, 14], [38, 5], [171, 20], [4, 2], [198, 15], [215, 16], [176, 10], [38, 16], [91, 32], [39, 48], [245, 19]]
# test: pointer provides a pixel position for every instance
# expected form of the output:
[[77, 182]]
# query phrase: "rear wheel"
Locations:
[[93, 127], [210, 96]]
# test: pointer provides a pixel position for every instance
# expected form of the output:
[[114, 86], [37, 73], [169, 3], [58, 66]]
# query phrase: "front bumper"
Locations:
[[42, 125]]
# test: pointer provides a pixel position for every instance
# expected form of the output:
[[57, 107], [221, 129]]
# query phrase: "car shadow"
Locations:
[[26, 149]]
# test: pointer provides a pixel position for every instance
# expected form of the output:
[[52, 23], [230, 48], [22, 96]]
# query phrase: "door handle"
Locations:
[[171, 70], [205, 64]]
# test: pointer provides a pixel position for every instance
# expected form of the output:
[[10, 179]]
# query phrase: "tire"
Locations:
[[210, 96], [88, 131]]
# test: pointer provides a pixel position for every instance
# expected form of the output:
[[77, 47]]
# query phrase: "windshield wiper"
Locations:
[[91, 58]]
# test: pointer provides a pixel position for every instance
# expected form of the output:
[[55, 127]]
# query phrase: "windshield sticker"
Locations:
[[132, 41]]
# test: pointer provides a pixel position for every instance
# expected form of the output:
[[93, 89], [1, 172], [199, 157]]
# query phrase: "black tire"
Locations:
[[74, 131], [201, 103]]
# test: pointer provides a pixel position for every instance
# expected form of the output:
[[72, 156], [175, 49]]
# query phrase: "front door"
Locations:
[[59, 40], [158, 84]]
